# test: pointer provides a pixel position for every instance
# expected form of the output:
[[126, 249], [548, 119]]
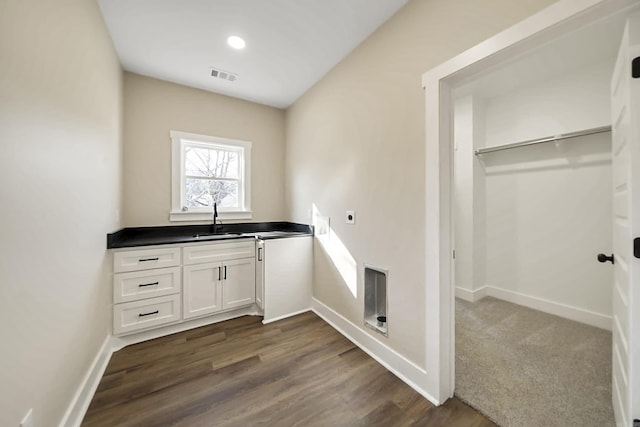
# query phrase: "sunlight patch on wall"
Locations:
[[337, 251]]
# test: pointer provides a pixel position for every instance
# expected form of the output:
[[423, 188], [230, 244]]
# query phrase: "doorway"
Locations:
[[562, 18], [532, 210]]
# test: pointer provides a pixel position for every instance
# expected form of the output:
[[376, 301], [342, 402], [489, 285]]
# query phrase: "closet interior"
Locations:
[[533, 210], [533, 187]]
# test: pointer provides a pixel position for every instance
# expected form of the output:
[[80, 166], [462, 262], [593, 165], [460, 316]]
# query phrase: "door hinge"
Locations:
[[635, 67], [636, 247]]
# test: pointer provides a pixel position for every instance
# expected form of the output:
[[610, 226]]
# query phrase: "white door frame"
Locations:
[[558, 19]]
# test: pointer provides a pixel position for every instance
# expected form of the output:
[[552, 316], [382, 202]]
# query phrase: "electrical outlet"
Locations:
[[27, 421], [351, 217]]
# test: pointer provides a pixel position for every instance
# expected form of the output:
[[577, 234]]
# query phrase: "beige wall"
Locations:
[[60, 133], [154, 107], [355, 142]]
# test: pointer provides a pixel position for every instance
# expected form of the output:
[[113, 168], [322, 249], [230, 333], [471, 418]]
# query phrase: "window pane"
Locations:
[[214, 163], [202, 193]]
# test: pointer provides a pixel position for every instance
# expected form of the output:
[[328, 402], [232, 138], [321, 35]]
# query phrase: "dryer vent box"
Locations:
[[375, 299]]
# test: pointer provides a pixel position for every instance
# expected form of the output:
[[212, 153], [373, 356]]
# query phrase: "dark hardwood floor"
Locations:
[[295, 372]]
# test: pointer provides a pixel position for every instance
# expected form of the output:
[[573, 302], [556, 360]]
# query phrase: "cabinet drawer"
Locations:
[[148, 313], [145, 259], [198, 254], [139, 285]]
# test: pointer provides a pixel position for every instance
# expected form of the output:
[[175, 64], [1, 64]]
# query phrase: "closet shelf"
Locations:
[[585, 132]]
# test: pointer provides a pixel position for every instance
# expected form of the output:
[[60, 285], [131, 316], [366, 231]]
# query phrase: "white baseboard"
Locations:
[[400, 366], [284, 316], [82, 398], [558, 309], [122, 341], [471, 295], [403, 368], [80, 402]]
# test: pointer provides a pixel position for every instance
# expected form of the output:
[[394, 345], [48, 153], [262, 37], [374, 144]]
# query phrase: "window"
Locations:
[[208, 170]]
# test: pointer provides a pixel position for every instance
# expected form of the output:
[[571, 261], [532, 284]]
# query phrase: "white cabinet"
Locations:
[[158, 286], [136, 285], [144, 314], [286, 267], [199, 254], [239, 281], [228, 283], [260, 274], [202, 289], [146, 289], [144, 259]]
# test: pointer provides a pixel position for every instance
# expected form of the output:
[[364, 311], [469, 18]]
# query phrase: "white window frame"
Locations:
[[179, 140]]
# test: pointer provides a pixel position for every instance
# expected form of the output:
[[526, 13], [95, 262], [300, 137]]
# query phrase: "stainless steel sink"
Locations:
[[216, 235], [259, 234]]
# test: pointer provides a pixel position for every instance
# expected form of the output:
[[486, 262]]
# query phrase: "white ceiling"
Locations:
[[291, 44], [592, 44]]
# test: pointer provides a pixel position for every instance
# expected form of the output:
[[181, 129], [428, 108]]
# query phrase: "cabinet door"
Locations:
[[201, 289], [260, 274], [288, 270], [239, 283]]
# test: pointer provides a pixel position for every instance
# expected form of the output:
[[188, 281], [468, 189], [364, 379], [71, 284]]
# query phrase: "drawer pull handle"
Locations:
[[142, 285], [148, 314], [225, 272], [148, 259], [219, 274]]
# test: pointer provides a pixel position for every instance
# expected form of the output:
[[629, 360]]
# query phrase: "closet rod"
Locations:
[[541, 140]]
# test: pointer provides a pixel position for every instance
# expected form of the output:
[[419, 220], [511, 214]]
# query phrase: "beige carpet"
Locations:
[[522, 367]]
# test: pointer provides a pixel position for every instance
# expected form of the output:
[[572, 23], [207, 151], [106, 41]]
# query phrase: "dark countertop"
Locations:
[[148, 236]]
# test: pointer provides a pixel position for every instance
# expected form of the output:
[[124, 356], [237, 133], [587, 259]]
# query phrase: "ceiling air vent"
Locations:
[[224, 75]]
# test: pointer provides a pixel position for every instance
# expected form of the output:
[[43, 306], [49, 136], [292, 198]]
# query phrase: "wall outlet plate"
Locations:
[[350, 217]]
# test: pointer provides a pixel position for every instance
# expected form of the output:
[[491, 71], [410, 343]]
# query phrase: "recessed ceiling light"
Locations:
[[236, 42]]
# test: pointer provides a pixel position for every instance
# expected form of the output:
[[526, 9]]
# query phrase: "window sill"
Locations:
[[207, 216]]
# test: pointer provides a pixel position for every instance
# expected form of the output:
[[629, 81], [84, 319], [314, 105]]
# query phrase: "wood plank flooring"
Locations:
[[295, 372]]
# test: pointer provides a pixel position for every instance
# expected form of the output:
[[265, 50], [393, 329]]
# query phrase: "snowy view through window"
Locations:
[[212, 175]]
